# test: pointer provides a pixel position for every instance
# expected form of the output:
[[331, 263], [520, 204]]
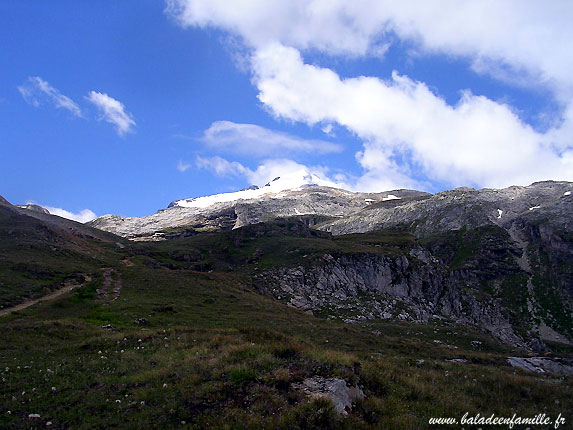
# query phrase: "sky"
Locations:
[[122, 107]]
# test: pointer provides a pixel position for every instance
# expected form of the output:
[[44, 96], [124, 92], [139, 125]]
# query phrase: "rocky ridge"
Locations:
[[497, 259], [250, 206], [464, 208]]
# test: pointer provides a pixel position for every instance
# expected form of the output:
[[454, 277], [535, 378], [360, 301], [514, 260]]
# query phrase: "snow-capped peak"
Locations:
[[292, 181]]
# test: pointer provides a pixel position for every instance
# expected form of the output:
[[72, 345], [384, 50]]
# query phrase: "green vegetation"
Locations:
[[36, 259], [189, 344], [231, 361], [464, 249]]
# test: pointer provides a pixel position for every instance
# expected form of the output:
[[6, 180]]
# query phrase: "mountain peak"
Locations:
[[292, 181]]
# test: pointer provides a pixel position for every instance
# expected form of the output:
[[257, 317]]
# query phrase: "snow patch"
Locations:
[[534, 207], [567, 193], [390, 197], [294, 181], [499, 213]]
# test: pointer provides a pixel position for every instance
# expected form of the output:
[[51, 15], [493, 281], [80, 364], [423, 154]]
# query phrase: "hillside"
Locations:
[[40, 253], [175, 334], [497, 259]]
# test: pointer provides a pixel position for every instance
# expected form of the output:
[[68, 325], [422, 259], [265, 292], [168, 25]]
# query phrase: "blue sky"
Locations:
[[122, 107]]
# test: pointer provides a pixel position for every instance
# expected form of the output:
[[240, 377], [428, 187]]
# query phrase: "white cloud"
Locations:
[[261, 142], [408, 131], [182, 166], [404, 125], [267, 170], [329, 25], [525, 35], [221, 167], [82, 216], [113, 111], [36, 91], [328, 129], [274, 168]]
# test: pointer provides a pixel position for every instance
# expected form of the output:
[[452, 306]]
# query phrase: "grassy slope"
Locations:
[[213, 354], [37, 257]]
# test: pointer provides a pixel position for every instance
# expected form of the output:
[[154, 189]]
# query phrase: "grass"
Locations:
[[212, 353], [232, 361]]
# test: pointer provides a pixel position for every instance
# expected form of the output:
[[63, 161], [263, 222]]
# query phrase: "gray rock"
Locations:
[[334, 389], [369, 286], [542, 365], [315, 200], [463, 208]]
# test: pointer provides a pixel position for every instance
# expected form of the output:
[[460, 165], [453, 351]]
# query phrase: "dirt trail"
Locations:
[[111, 287], [50, 296]]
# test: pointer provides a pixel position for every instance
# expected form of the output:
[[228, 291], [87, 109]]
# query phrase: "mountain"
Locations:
[[281, 324], [497, 259], [40, 252], [296, 180], [466, 208], [300, 193], [36, 208]]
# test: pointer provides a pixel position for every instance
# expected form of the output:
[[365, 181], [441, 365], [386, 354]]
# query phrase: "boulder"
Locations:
[[334, 389]]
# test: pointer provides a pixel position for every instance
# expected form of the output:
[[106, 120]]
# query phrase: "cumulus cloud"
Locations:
[[528, 36], [411, 135], [258, 141], [266, 171], [221, 167], [112, 111], [37, 91], [280, 167], [326, 25], [82, 216], [404, 125]]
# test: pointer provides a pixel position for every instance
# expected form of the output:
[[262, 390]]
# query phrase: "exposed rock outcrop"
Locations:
[[542, 365], [334, 389], [367, 286], [312, 200]]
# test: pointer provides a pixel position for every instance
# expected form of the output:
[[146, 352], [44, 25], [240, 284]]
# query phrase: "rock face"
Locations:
[[542, 365], [464, 208], [367, 286], [222, 216], [334, 389]]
